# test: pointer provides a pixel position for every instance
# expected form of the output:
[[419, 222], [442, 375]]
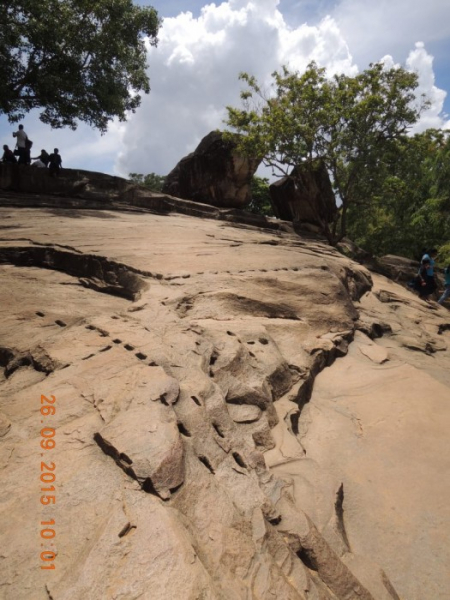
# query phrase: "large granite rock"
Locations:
[[306, 196], [253, 416], [215, 173]]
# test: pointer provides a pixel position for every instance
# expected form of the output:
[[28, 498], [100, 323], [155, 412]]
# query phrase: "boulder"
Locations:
[[305, 196], [213, 174]]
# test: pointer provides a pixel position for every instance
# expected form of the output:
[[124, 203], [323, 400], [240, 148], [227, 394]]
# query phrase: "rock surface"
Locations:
[[310, 199], [240, 413], [213, 174]]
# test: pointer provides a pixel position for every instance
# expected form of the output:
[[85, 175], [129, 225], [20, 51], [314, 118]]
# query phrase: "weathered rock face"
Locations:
[[252, 415], [213, 174], [308, 199]]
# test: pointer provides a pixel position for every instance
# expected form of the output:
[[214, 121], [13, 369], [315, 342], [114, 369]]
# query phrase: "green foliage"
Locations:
[[260, 203], [77, 59], [411, 210], [152, 181], [350, 123]]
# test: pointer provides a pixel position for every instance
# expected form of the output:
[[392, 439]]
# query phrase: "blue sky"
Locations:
[[203, 46]]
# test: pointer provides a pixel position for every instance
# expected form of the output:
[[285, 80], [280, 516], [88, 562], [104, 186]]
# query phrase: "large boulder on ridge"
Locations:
[[305, 196], [215, 173]]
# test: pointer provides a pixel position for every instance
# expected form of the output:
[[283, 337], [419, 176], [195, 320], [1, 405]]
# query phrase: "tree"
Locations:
[[411, 210], [349, 123], [78, 60], [152, 181], [260, 203]]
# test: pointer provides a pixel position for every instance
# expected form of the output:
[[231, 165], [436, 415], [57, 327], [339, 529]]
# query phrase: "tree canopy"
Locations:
[[351, 124], [411, 209], [152, 181], [78, 60]]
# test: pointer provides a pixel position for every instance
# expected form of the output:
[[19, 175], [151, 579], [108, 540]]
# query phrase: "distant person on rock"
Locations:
[[55, 162], [44, 157], [8, 155], [446, 293], [428, 258], [424, 284], [21, 144]]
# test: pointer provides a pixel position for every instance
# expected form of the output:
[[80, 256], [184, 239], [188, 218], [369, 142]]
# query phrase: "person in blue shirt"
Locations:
[[446, 293], [430, 255], [427, 272]]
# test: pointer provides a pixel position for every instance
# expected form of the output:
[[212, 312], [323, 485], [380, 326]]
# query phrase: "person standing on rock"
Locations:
[[55, 162], [446, 293], [8, 155], [424, 285], [428, 258], [21, 143]]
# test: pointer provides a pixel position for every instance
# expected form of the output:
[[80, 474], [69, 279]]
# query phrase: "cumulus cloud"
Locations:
[[373, 29], [421, 63], [194, 74], [194, 70]]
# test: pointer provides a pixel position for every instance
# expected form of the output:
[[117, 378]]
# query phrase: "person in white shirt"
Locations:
[[39, 164], [21, 145]]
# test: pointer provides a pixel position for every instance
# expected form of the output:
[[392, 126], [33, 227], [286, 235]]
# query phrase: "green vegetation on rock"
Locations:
[[152, 181], [260, 203], [352, 124]]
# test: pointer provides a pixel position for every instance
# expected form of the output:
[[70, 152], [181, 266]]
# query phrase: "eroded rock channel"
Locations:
[[224, 414]]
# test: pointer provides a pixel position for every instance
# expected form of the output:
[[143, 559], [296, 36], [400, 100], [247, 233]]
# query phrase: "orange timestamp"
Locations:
[[47, 479]]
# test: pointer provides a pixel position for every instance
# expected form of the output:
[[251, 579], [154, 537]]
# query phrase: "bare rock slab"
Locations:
[[146, 444]]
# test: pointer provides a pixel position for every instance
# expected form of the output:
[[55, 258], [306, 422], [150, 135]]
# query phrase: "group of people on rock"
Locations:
[[22, 154], [425, 282]]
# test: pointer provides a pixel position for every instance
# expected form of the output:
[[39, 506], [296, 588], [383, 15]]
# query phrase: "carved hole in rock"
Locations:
[[295, 417], [163, 400], [339, 508], [196, 400], [252, 355], [60, 323], [213, 358], [275, 520], [140, 355], [106, 348], [125, 530], [117, 341], [443, 327], [230, 333], [88, 356], [114, 317], [182, 429], [90, 327], [152, 364], [218, 430], [263, 341], [239, 460], [148, 487], [40, 314], [206, 462], [307, 559], [128, 347], [250, 343], [125, 458]]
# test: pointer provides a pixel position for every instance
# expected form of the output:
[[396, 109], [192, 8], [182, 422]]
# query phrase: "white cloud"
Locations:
[[373, 29], [194, 71], [421, 63], [194, 74]]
